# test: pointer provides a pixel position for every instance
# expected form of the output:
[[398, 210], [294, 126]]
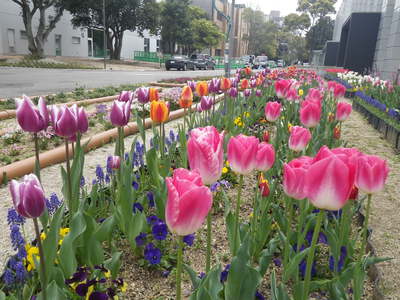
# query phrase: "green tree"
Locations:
[[298, 24], [320, 33], [121, 15], [316, 8], [205, 35], [40, 9], [294, 47]]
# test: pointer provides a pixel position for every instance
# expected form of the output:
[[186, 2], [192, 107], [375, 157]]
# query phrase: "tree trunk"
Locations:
[[115, 51]]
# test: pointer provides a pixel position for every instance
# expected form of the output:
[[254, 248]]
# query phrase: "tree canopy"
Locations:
[[316, 9]]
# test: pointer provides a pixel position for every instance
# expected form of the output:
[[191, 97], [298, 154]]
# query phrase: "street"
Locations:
[[35, 81]]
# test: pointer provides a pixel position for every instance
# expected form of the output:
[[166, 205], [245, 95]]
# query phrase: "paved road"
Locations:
[[17, 81]]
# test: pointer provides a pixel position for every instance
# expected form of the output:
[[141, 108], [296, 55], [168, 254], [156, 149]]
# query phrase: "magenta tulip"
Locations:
[[120, 113], [310, 113], [331, 86], [299, 138], [292, 95], [314, 95], [30, 118], [272, 111], [81, 117], [143, 95], [265, 157], [125, 96], [113, 162], [64, 120], [339, 91], [192, 84], [247, 93], [294, 174], [372, 172], [206, 102], [188, 203], [258, 93], [205, 149], [343, 111], [242, 153], [233, 92], [214, 85], [281, 87], [329, 181], [28, 196]]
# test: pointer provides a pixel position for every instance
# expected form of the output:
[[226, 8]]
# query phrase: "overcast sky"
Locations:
[[284, 6]]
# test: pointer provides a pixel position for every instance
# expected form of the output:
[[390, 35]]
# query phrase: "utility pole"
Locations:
[[104, 34], [229, 45]]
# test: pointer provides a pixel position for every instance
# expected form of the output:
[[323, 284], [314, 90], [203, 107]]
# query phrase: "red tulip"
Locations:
[[299, 138], [265, 157], [336, 133], [266, 136], [28, 196], [120, 113], [188, 203], [205, 149], [30, 118], [242, 152], [225, 84], [310, 114], [272, 111], [343, 111], [294, 174], [263, 186], [372, 172], [244, 84]]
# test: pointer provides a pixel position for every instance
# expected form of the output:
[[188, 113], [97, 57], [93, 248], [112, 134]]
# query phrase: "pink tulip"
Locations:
[[329, 181], [294, 174], [125, 96], [372, 172], [314, 95], [81, 117], [299, 138], [310, 114], [272, 111], [113, 162], [242, 153], [143, 95], [343, 111], [281, 86], [292, 95], [339, 91], [120, 113], [188, 203], [28, 196], [206, 102], [30, 118], [64, 120], [205, 149], [331, 86], [265, 157]]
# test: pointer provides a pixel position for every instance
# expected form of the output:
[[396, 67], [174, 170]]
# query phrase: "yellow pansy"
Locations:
[[64, 231], [301, 92], [107, 274], [246, 114], [227, 163], [124, 287], [224, 170], [43, 236]]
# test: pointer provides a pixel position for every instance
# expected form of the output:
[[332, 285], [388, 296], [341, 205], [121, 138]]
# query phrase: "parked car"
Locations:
[[271, 64], [203, 61], [281, 63], [260, 62], [179, 62]]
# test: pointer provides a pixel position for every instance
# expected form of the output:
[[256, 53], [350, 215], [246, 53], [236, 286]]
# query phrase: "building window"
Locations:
[[218, 52], [23, 35], [76, 40], [146, 45], [158, 45]]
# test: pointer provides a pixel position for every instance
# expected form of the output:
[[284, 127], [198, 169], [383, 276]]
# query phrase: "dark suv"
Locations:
[[179, 62], [203, 61]]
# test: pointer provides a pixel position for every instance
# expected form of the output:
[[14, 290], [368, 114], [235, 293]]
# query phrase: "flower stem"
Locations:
[[365, 229], [208, 258], [42, 264], [289, 205], [235, 234], [144, 128], [161, 142], [121, 142], [69, 184], [179, 268], [37, 161], [310, 256]]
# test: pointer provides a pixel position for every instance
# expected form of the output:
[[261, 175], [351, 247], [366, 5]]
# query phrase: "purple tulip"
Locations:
[[247, 93], [206, 103], [30, 118], [114, 162], [143, 95], [125, 96], [235, 82], [258, 93], [253, 83], [214, 85], [120, 113], [192, 84], [82, 119], [28, 196], [65, 121], [233, 92]]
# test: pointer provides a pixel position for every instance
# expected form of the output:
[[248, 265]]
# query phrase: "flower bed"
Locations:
[[270, 179]]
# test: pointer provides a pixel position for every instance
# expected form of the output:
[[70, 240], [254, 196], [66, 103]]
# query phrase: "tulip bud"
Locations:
[[265, 157], [372, 172], [225, 84], [299, 138], [343, 111], [233, 92], [125, 96], [258, 93], [153, 94], [64, 120], [159, 111], [206, 102], [242, 153], [30, 118], [244, 84], [336, 133], [28, 196], [202, 88], [247, 93], [113, 162], [353, 193], [272, 111], [186, 99], [143, 95], [266, 136], [263, 186], [120, 113]]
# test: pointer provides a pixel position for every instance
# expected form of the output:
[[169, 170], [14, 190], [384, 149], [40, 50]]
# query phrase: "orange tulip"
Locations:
[[186, 99], [247, 71], [159, 111], [153, 94], [225, 84], [202, 88], [244, 84]]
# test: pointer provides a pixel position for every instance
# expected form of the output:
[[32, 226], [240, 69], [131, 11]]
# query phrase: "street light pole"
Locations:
[[229, 45], [104, 34]]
